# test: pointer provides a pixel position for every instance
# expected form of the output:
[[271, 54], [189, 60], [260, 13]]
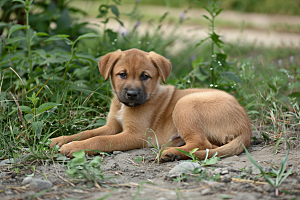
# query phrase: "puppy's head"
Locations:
[[134, 74]]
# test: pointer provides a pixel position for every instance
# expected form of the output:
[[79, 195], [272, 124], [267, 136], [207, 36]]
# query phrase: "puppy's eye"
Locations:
[[145, 77], [123, 75]]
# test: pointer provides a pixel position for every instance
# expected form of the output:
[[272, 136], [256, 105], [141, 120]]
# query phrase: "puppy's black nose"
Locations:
[[132, 95]]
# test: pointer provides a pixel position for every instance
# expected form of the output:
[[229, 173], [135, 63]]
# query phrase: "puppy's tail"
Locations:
[[234, 147]]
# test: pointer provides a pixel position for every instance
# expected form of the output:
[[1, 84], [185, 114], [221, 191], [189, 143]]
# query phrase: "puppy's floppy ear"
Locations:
[[163, 65], [107, 62]]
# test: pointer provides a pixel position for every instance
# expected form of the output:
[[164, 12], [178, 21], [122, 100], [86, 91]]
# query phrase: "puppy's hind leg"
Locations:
[[191, 129]]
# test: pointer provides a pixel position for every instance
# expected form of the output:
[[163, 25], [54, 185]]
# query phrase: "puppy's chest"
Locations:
[[120, 114]]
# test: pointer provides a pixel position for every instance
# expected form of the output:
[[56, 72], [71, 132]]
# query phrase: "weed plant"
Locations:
[[80, 170], [279, 174]]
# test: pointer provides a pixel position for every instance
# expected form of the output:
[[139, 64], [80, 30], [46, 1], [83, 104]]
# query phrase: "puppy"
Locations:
[[144, 110]]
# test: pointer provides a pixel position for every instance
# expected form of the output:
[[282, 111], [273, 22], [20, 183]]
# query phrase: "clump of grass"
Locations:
[[158, 149], [279, 174], [81, 170], [207, 161]]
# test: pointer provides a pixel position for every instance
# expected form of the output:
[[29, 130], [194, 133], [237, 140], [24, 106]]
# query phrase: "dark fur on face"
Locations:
[[132, 97]]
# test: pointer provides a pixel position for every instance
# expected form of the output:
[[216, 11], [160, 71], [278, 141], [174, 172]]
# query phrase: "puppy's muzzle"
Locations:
[[132, 95]]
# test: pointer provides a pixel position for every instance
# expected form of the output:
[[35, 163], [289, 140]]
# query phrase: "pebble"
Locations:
[[209, 182], [27, 180], [3, 174], [235, 170], [206, 191], [161, 198], [7, 162], [225, 171], [117, 152], [226, 179], [228, 163], [37, 183], [185, 167], [217, 171]]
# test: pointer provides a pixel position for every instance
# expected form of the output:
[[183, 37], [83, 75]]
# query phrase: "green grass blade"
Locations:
[[283, 163], [253, 161], [285, 175]]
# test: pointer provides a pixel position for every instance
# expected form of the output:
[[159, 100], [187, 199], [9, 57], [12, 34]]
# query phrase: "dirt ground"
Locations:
[[144, 179]]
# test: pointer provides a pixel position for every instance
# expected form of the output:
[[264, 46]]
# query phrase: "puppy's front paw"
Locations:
[[57, 141], [70, 148]]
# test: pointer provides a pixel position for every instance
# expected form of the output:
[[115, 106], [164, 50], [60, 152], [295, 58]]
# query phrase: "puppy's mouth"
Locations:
[[132, 97], [131, 104]]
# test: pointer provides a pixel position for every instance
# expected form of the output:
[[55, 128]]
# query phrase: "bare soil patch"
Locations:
[[137, 178]]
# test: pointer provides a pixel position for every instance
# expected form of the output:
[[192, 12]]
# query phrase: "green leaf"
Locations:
[[163, 17], [78, 160], [56, 59], [37, 127], [41, 52], [26, 109], [114, 10], [295, 94], [273, 87], [283, 164], [206, 17], [211, 161], [285, 175], [57, 37], [111, 34], [118, 20], [15, 28], [103, 10], [96, 161], [138, 159], [21, 1], [29, 117], [71, 172], [87, 35], [219, 11], [202, 41], [215, 38], [46, 106], [252, 160], [14, 39], [86, 56], [3, 24], [194, 150], [42, 34], [230, 76], [185, 153], [79, 154], [58, 69]]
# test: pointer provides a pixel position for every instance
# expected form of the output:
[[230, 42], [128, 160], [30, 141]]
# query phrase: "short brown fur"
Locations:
[[195, 118]]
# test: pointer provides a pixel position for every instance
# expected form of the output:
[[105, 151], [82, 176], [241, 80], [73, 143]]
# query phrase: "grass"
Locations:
[[279, 174], [50, 84]]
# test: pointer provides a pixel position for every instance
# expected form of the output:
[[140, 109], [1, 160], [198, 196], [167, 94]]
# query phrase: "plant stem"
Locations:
[[104, 30], [67, 64], [28, 42], [212, 50]]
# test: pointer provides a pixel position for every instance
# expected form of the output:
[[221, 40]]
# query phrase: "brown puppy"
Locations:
[[193, 118]]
